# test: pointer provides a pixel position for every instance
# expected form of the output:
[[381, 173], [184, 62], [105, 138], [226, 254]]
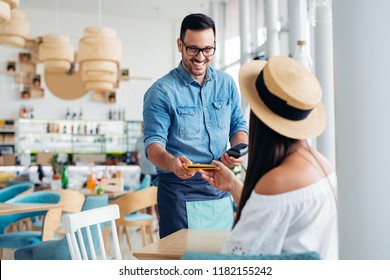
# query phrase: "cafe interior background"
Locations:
[[355, 54]]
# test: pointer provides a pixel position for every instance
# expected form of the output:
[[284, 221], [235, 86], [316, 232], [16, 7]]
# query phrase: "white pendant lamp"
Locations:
[[99, 56], [15, 31], [5, 9], [56, 52]]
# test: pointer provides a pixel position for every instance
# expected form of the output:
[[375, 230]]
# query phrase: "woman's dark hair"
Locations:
[[267, 150], [196, 22]]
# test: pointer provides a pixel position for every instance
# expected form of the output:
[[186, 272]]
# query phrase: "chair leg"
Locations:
[[127, 237], [119, 233], [150, 232], [143, 232]]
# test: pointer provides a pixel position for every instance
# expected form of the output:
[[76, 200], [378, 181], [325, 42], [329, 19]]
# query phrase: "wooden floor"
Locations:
[[136, 242]]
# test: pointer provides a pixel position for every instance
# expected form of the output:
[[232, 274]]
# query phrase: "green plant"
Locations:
[[54, 163]]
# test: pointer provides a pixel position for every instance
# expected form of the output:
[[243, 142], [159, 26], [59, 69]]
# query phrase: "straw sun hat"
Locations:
[[285, 96]]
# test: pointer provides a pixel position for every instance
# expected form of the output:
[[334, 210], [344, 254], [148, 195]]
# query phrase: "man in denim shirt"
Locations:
[[190, 115]]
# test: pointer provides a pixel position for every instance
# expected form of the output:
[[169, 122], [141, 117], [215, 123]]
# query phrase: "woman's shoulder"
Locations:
[[297, 171]]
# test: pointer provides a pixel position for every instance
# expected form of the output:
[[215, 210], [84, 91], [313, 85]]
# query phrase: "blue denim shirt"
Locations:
[[193, 120]]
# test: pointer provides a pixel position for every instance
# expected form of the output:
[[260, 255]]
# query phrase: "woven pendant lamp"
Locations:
[[99, 56], [5, 9], [15, 31], [56, 52]]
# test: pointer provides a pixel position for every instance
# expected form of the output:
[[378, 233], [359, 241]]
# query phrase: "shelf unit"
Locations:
[[76, 136], [133, 133], [7, 136]]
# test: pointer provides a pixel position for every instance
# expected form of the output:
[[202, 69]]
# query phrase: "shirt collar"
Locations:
[[188, 79]]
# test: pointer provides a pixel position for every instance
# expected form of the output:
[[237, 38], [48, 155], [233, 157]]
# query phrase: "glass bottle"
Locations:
[[67, 116], [64, 177], [91, 183], [303, 56]]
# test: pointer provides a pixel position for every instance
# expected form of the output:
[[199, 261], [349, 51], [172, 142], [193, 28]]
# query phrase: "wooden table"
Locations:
[[14, 208], [173, 246], [51, 220]]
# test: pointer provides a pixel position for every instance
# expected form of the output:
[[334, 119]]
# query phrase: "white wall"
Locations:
[[361, 60], [149, 50]]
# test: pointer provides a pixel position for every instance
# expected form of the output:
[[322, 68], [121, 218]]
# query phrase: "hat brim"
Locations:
[[312, 126]]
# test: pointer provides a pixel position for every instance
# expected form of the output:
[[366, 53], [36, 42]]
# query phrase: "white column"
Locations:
[[244, 31], [214, 15], [323, 43], [361, 60], [244, 46], [221, 35], [272, 24], [297, 14], [254, 24]]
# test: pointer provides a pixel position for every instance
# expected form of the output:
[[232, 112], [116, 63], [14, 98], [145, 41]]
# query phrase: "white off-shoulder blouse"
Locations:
[[298, 221]]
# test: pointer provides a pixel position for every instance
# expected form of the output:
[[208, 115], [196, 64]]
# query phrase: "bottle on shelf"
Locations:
[[67, 116], [91, 183], [74, 115], [302, 55], [21, 112], [64, 176], [81, 114]]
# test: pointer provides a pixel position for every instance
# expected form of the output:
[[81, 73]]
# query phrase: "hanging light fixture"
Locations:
[[15, 31], [5, 9], [56, 52], [99, 56]]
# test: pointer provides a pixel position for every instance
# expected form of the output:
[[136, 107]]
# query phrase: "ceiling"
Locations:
[[163, 9]]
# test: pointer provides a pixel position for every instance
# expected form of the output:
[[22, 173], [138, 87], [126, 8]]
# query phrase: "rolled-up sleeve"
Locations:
[[156, 104]]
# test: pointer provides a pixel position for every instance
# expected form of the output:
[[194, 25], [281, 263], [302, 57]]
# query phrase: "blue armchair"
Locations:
[[16, 189], [18, 239]]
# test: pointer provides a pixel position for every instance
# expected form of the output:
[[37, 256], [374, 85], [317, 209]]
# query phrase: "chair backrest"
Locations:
[[17, 189], [87, 220], [58, 249], [135, 201], [36, 197], [72, 201], [146, 181], [95, 201]]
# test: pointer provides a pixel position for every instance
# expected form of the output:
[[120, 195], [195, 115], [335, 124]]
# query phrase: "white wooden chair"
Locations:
[[89, 222]]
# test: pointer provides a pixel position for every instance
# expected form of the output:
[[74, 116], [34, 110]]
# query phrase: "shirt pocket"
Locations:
[[188, 121], [222, 112]]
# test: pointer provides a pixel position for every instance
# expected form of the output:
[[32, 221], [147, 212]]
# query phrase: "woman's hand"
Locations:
[[222, 178]]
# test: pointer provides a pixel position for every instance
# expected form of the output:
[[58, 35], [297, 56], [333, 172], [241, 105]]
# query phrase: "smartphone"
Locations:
[[198, 166], [238, 151]]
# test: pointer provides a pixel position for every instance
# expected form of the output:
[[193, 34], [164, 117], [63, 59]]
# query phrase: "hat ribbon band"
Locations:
[[278, 105]]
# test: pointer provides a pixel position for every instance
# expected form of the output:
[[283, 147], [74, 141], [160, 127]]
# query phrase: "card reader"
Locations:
[[238, 151]]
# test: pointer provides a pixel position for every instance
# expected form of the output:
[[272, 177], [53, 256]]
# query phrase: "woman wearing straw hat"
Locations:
[[287, 202]]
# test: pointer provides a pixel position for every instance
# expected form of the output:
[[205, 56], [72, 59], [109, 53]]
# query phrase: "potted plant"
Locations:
[[56, 179]]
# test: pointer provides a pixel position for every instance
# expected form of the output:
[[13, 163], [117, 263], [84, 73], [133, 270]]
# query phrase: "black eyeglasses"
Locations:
[[194, 51]]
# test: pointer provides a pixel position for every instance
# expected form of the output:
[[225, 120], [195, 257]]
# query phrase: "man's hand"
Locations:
[[231, 161], [176, 166]]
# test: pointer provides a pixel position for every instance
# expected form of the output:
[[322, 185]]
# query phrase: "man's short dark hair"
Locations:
[[196, 22]]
